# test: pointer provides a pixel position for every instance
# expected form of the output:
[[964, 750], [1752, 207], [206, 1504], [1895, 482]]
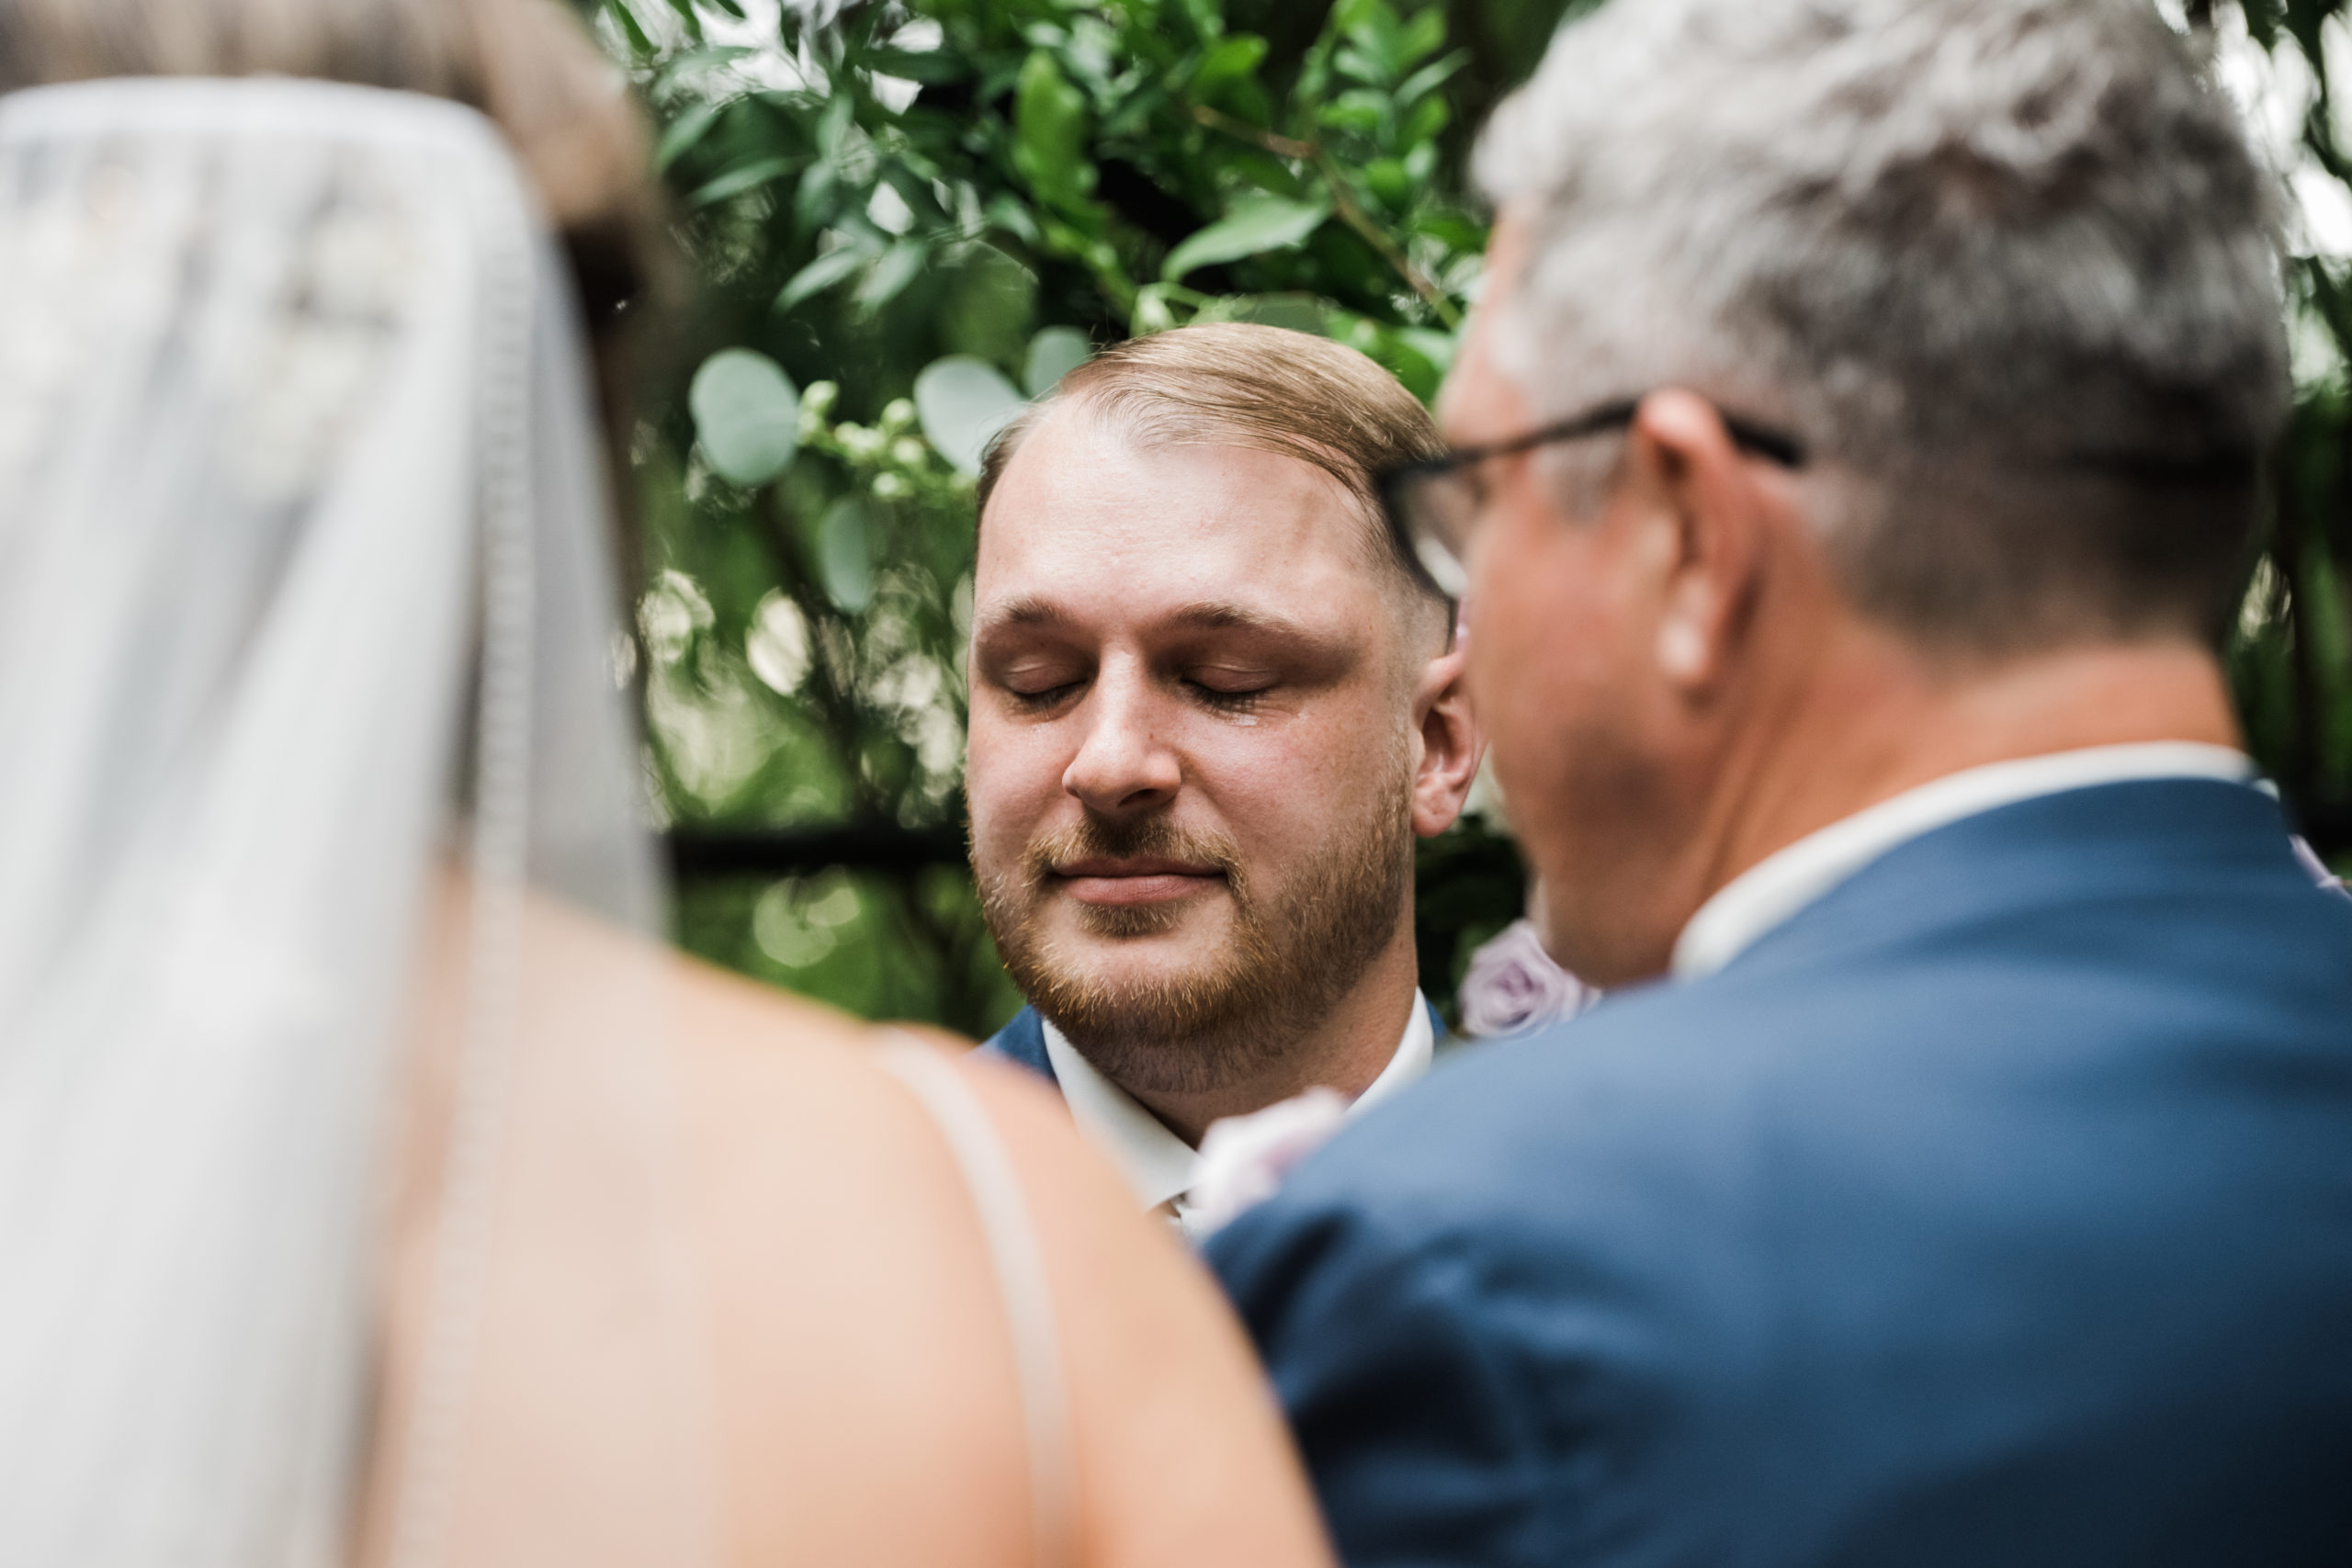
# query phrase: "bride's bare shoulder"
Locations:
[[1184, 1456], [1187, 1458], [733, 1020]]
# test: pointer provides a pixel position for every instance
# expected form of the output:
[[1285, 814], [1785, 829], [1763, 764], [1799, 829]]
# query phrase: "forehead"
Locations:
[[1099, 523]]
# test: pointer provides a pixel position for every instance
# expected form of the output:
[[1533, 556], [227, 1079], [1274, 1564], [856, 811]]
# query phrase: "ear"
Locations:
[[1713, 518], [1450, 744]]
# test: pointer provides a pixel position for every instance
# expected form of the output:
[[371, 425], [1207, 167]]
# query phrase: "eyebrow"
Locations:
[[1224, 616], [1205, 616], [1024, 611]]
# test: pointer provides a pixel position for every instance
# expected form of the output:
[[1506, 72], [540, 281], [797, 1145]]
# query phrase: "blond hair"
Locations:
[[1267, 389]]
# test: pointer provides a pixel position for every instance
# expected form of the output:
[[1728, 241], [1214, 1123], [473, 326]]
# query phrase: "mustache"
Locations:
[[1155, 838]]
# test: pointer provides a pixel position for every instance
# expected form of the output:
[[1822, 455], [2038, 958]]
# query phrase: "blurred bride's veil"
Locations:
[[301, 542]]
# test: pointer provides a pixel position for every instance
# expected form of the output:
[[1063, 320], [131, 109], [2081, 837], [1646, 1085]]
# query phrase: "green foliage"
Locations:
[[2291, 651], [926, 214]]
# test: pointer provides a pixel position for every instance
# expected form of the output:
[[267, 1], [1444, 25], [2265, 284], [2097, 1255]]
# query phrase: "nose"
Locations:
[[1122, 767]]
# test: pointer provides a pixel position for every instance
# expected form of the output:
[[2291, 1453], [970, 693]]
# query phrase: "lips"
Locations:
[[1140, 880]]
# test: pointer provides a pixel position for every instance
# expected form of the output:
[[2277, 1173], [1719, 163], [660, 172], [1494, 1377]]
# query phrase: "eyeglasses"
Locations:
[[1434, 506]]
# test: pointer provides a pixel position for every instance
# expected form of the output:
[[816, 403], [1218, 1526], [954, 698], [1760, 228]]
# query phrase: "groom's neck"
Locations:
[[1346, 1049]]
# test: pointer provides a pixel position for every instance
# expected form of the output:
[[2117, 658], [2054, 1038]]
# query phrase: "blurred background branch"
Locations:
[[907, 218]]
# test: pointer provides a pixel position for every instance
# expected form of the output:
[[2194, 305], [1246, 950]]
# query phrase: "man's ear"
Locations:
[[1703, 491], [1450, 744]]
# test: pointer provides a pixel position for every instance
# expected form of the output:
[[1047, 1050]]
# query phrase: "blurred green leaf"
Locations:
[[686, 130], [1421, 37], [1359, 110], [1390, 182], [962, 402], [689, 16], [747, 415], [1227, 61], [931, 67], [1256, 224], [1049, 120], [988, 306], [1430, 78], [845, 557], [632, 28], [1424, 121], [821, 274], [1294, 312], [743, 177], [897, 267], [1053, 353]]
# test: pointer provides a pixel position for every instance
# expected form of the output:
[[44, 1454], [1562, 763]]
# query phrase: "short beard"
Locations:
[[1287, 966]]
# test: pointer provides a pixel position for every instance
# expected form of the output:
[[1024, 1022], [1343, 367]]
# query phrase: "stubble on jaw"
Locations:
[[1285, 966]]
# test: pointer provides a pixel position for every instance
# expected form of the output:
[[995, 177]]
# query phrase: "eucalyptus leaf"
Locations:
[[821, 274], [1256, 224], [1010, 213], [927, 66], [962, 402], [898, 267], [685, 131], [988, 306], [741, 178], [814, 200], [1053, 353], [747, 415], [845, 557], [701, 59]]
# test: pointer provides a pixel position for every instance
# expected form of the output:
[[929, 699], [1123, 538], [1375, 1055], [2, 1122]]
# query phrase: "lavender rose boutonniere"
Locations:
[[1512, 985]]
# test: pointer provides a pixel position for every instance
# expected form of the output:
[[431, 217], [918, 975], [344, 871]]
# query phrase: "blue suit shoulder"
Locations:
[[1987, 1211], [1022, 1040]]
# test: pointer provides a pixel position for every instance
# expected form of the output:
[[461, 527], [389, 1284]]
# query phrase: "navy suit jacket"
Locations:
[[1022, 1040], [1995, 1209]]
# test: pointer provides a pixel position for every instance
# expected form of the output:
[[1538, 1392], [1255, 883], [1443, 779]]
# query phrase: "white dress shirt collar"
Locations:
[[1780, 885], [1157, 1163]]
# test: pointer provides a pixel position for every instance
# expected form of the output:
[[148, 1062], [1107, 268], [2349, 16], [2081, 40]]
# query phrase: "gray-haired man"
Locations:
[[1856, 459]]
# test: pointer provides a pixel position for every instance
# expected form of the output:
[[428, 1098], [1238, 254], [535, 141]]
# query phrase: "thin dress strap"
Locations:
[[1019, 1266]]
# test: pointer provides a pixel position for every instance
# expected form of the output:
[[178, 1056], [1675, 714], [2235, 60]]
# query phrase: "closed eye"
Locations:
[[1224, 701], [1044, 699]]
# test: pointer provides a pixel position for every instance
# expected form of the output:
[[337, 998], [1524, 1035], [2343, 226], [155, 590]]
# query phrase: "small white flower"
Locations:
[[1244, 1159]]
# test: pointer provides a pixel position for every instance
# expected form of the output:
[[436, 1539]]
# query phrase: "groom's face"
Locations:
[[1191, 764]]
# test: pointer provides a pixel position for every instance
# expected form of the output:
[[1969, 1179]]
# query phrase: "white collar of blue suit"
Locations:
[[1779, 886], [1156, 1163]]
